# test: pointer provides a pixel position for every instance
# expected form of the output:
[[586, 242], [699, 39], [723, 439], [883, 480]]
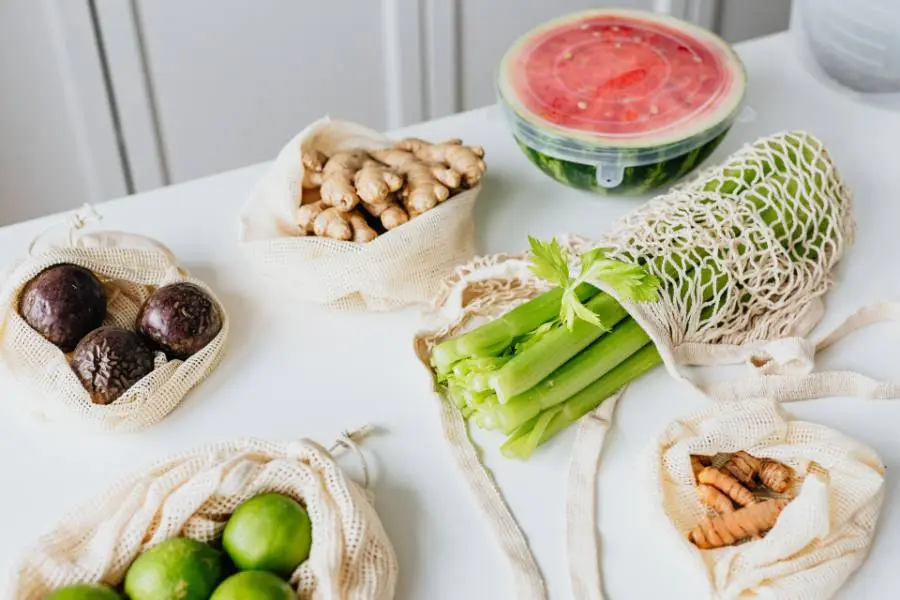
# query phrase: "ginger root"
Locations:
[[351, 176], [726, 484], [333, 223], [465, 160], [714, 498], [730, 527], [373, 191], [313, 162]]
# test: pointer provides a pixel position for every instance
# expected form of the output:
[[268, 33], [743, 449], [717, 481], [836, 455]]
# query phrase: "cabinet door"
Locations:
[[230, 81], [59, 145]]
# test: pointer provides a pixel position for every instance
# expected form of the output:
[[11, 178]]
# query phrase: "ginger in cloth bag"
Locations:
[[400, 267], [130, 268], [193, 494], [743, 254]]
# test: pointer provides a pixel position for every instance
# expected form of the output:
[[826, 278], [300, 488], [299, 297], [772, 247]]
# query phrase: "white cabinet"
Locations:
[[59, 144]]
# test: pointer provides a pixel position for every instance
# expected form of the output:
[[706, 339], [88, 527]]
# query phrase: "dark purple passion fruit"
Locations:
[[180, 318], [63, 303], [110, 360]]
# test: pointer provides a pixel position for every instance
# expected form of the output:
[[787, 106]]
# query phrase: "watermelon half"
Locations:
[[620, 101]]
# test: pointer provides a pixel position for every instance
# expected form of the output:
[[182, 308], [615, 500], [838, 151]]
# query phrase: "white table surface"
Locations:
[[297, 371]]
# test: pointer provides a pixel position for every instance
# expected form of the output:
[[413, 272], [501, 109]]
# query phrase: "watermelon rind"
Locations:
[[636, 180]]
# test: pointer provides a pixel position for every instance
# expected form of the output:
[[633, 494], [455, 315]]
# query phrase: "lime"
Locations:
[[177, 569], [270, 532], [254, 585], [84, 591]]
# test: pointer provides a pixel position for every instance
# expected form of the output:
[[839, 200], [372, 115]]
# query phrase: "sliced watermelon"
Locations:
[[620, 101]]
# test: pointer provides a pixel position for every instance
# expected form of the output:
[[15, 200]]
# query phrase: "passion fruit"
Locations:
[[110, 360], [180, 318]]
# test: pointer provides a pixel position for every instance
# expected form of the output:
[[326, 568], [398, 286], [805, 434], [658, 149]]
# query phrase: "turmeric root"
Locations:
[[313, 162], [775, 476], [730, 527], [743, 467], [389, 211], [727, 484], [362, 232], [465, 160], [698, 463], [333, 223], [715, 499], [351, 176]]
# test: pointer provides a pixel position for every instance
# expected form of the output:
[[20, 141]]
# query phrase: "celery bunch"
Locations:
[[540, 367]]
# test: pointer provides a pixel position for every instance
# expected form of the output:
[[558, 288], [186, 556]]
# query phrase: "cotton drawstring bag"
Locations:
[[130, 267], [741, 269], [401, 267], [820, 537], [193, 495]]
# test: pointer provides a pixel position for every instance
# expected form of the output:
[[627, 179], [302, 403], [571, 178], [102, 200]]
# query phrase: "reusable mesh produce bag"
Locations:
[[401, 267], [820, 537], [744, 254], [130, 267], [193, 495]]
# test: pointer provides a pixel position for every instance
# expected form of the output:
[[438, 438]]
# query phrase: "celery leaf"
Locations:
[[549, 262]]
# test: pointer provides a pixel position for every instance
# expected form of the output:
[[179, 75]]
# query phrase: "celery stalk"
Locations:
[[533, 364], [588, 366], [547, 424], [496, 335]]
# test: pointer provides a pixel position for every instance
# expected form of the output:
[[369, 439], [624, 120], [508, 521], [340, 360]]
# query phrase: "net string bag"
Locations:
[[744, 253], [401, 267], [130, 267], [819, 539], [194, 493]]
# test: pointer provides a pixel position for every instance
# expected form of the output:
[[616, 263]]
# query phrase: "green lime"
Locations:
[[254, 585], [177, 569], [84, 591], [270, 532]]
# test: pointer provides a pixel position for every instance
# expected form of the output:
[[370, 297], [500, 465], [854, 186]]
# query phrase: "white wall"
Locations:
[[58, 146]]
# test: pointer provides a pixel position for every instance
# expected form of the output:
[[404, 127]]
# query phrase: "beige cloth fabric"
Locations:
[[820, 538], [399, 268], [193, 494], [130, 267]]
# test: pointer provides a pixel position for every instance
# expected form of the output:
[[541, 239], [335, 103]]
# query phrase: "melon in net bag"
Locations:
[[401, 267], [744, 254], [193, 494], [130, 267]]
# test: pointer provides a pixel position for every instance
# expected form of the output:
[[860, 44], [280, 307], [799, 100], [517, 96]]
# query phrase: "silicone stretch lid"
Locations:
[[619, 87]]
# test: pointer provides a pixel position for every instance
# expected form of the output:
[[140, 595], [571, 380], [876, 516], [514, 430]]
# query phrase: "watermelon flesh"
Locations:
[[619, 101]]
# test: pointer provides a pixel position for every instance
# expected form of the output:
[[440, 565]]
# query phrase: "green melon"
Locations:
[[643, 94]]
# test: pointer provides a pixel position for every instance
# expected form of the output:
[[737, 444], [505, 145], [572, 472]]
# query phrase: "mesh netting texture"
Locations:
[[130, 268], [820, 538], [399, 268], [193, 495]]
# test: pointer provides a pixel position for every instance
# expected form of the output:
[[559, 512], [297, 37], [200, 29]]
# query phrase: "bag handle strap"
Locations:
[[783, 369], [526, 576], [581, 501]]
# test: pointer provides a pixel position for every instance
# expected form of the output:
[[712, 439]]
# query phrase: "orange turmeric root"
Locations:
[[715, 499], [698, 463], [775, 476], [730, 527], [727, 484], [743, 467]]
